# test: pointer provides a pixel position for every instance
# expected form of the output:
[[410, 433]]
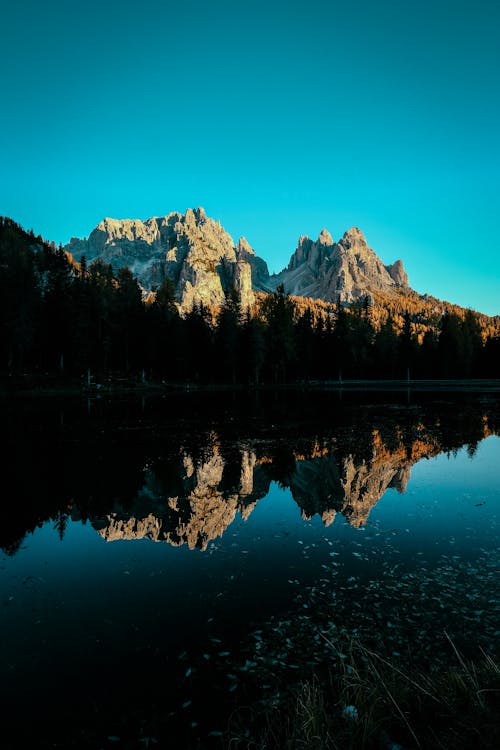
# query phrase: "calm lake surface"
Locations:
[[164, 561]]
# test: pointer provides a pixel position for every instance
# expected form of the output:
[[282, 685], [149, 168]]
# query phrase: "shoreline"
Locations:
[[130, 388]]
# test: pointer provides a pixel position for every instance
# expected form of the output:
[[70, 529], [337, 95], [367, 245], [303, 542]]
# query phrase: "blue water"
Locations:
[[92, 626]]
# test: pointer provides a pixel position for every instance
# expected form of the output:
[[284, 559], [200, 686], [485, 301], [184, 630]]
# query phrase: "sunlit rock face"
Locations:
[[398, 274], [192, 250], [348, 269], [204, 264], [260, 271]]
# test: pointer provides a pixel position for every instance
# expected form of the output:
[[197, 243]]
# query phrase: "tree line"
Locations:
[[63, 318]]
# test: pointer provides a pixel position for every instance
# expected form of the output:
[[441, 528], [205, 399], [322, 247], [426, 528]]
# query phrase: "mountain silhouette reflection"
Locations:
[[184, 484]]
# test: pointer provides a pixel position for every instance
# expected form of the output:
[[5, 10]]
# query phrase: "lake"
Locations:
[[165, 561]]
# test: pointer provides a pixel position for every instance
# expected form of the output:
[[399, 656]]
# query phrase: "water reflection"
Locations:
[[140, 639], [143, 481]]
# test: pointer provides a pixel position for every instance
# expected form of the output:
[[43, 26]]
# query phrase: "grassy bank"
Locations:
[[405, 658], [368, 702]]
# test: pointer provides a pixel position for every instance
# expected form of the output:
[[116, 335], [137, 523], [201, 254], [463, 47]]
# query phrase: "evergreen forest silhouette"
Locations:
[[63, 319]]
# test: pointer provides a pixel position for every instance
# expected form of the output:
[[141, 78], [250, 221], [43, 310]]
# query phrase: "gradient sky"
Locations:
[[280, 118]]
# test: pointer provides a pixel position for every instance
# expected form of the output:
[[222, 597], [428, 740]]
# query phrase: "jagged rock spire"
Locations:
[[203, 262]]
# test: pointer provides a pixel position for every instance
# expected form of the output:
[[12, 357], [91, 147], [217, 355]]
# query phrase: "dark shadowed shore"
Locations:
[[32, 386]]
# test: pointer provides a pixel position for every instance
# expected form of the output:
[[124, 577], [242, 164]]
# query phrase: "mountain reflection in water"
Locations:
[[186, 487], [134, 640], [199, 507]]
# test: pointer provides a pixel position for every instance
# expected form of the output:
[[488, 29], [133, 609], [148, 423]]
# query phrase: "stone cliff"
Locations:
[[204, 264], [192, 250], [349, 269]]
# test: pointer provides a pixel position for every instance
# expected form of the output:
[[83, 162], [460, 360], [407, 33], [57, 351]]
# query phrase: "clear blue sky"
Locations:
[[280, 118]]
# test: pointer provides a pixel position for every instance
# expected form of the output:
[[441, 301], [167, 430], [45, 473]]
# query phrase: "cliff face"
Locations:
[[349, 269], [192, 250], [204, 264]]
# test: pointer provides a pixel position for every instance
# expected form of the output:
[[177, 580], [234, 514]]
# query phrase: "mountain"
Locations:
[[203, 262], [192, 250], [325, 269]]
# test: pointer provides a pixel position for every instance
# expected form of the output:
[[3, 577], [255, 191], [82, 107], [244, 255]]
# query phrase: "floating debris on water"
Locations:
[[400, 609]]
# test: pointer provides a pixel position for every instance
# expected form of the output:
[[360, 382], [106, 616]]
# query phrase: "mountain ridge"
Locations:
[[204, 263]]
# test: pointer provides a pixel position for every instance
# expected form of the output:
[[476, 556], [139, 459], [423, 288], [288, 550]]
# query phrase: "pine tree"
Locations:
[[278, 314], [386, 350], [253, 348], [450, 347], [227, 337]]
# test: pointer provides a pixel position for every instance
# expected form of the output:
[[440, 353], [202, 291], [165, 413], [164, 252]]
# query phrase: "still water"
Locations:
[[164, 561]]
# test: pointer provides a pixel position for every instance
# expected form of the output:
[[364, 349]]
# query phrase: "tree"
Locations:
[[341, 342], [253, 347], [102, 287], [450, 347], [127, 322], [360, 339], [163, 338], [305, 341], [197, 352], [56, 316], [227, 336], [386, 350], [278, 314], [472, 344], [490, 358], [165, 299], [407, 348], [427, 356], [20, 297]]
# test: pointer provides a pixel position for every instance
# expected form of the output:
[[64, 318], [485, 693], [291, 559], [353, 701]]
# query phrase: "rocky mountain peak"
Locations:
[[195, 217], [348, 269], [244, 246], [301, 254], [310, 252], [191, 249], [353, 238], [325, 238], [200, 214], [204, 264], [259, 269], [398, 274]]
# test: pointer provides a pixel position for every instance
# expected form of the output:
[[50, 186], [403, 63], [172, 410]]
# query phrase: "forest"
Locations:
[[61, 319]]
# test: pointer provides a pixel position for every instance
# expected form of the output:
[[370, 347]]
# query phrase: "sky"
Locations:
[[279, 118]]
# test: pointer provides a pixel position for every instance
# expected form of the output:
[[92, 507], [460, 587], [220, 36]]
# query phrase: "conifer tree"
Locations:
[[253, 348], [278, 313], [227, 337]]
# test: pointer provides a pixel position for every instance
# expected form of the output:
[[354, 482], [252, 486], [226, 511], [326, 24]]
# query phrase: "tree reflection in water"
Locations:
[[183, 481]]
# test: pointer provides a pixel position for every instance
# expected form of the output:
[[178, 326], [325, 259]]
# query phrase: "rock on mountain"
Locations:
[[260, 271], [192, 250], [204, 264], [349, 269]]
